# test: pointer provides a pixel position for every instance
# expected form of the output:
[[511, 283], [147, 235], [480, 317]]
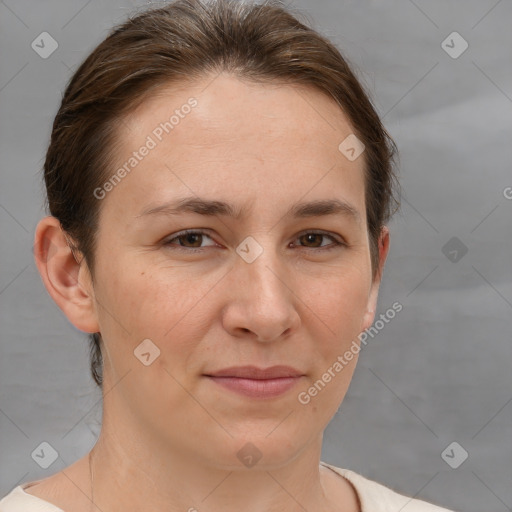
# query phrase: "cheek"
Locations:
[[150, 313], [170, 306], [339, 308], [153, 305], [339, 301]]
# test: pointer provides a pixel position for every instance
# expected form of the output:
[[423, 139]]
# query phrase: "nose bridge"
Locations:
[[264, 295], [263, 274], [269, 282]]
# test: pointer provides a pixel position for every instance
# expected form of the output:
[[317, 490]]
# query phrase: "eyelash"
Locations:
[[336, 243]]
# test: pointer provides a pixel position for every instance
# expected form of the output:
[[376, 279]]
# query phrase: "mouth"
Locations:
[[258, 383]]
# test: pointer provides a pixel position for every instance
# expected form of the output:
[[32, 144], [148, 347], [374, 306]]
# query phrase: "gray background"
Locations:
[[438, 372]]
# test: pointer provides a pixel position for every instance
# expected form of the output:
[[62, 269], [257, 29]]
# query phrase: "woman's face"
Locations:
[[268, 287]]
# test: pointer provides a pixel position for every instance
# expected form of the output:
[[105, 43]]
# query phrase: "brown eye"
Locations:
[[192, 240], [313, 240]]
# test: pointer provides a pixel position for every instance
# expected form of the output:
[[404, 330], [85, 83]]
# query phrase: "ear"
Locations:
[[383, 245], [67, 280]]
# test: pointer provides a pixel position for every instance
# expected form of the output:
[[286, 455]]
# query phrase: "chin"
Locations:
[[257, 451]]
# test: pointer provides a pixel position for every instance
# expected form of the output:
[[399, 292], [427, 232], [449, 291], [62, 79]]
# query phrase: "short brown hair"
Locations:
[[178, 43]]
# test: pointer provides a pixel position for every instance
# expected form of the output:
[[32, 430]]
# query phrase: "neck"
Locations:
[[127, 479]]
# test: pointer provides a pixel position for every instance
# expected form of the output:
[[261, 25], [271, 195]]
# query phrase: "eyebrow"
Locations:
[[212, 208]]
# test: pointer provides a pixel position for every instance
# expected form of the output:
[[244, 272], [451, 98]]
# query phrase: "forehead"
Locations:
[[224, 134], [229, 106]]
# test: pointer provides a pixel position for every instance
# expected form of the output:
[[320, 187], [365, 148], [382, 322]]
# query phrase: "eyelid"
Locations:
[[191, 231], [337, 238], [338, 241]]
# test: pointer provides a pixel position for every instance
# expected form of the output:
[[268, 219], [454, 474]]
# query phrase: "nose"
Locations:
[[263, 303]]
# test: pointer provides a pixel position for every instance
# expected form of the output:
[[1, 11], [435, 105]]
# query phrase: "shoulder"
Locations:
[[375, 497], [18, 500], [55, 493]]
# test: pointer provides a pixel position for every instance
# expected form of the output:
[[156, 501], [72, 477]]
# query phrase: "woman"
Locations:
[[219, 186]]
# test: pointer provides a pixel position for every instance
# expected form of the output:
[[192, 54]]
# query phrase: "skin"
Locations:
[[170, 436]]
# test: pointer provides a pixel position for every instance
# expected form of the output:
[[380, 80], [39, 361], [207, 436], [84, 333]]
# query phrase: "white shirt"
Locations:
[[373, 497]]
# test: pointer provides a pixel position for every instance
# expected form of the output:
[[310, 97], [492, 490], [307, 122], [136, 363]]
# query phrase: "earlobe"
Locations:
[[66, 279], [374, 290], [367, 319]]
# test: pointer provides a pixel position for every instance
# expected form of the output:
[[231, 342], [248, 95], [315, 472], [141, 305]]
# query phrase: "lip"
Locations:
[[255, 373], [257, 382]]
